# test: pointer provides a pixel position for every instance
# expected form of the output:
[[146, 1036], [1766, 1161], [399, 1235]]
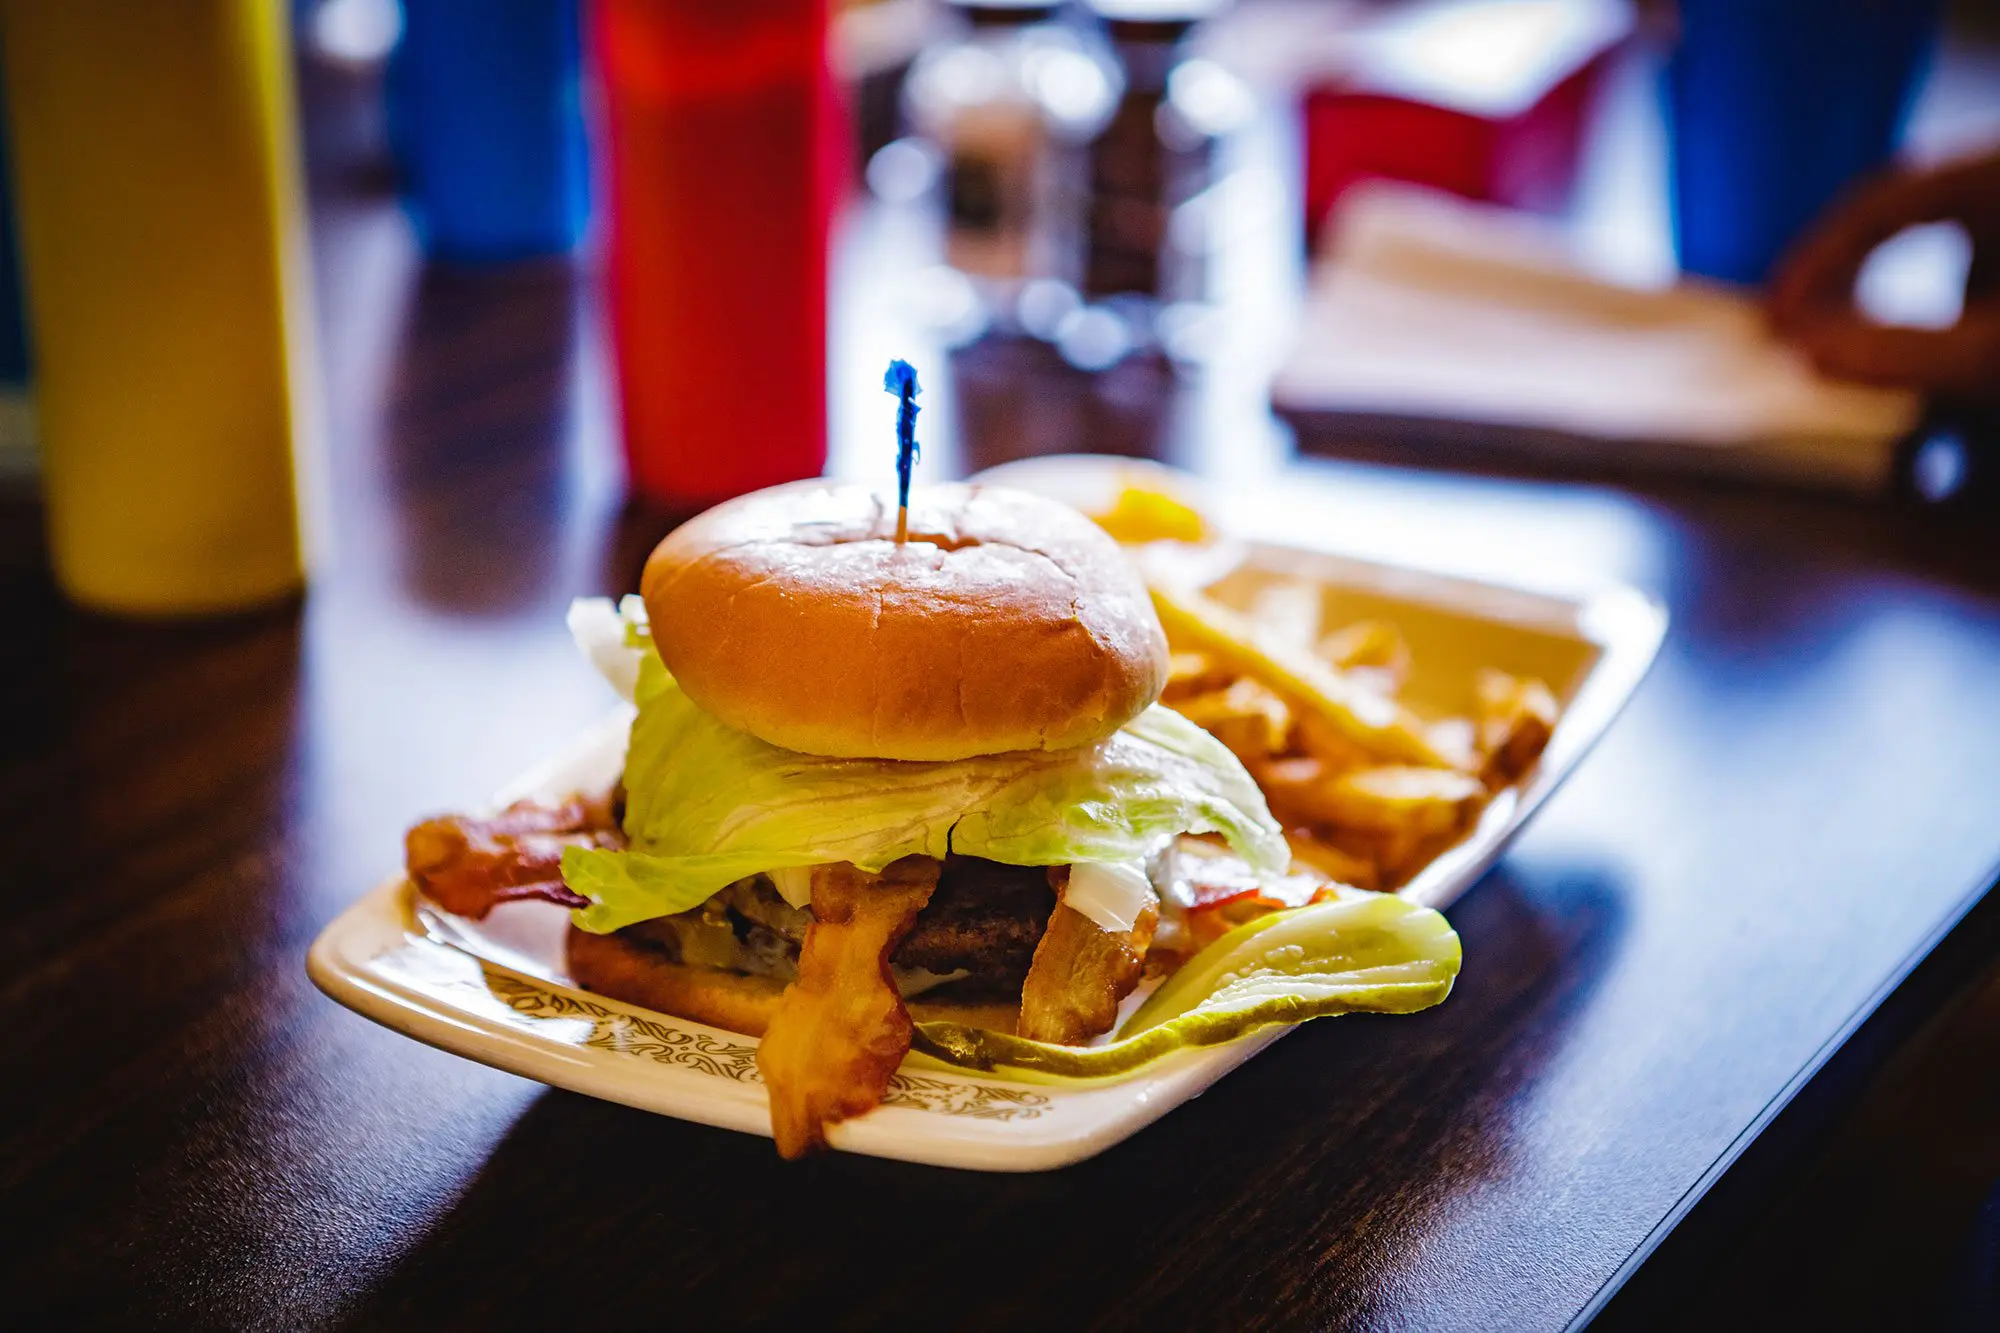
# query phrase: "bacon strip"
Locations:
[[1217, 881], [841, 1028], [1081, 972], [468, 866]]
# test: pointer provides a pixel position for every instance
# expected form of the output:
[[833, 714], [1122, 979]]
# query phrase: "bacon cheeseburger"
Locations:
[[869, 781]]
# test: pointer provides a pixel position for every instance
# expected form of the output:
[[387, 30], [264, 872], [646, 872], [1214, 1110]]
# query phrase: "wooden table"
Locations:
[[1803, 799]]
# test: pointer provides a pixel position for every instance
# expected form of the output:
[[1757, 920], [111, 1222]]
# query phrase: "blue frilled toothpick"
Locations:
[[901, 380]]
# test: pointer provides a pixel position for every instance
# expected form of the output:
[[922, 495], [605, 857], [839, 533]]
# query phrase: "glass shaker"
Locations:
[[1008, 104], [1147, 228]]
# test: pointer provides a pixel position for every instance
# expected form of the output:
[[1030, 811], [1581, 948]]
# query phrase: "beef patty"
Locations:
[[984, 920]]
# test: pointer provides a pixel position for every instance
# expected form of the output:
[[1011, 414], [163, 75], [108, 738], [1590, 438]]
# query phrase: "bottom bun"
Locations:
[[614, 966]]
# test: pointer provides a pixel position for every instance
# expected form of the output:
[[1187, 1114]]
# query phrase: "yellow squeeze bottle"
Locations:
[[156, 183]]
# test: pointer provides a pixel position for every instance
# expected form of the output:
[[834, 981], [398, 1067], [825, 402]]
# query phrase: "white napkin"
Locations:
[[1431, 308]]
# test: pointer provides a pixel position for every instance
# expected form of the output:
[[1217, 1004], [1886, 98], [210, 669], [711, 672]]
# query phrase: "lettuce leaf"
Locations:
[[1362, 952], [707, 805]]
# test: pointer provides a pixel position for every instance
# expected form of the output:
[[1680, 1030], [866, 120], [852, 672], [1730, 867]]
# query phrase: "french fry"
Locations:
[[1369, 653], [1192, 674], [1379, 725], [1402, 798], [1458, 740], [1369, 792], [1248, 718], [1287, 613], [1311, 854], [1325, 742], [1295, 789], [1517, 715], [1371, 814], [1397, 856], [1372, 644]]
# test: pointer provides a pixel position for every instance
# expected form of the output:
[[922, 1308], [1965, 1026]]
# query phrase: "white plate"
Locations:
[[495, 991]]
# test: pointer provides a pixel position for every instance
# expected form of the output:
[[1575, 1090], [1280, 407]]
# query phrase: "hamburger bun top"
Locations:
[[1006, 622]]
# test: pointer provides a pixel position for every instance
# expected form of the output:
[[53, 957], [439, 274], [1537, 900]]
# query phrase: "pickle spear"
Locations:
[[1373, 953]]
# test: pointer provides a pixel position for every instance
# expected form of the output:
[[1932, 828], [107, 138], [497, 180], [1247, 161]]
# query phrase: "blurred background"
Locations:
[[450, 308], [1466, 233]]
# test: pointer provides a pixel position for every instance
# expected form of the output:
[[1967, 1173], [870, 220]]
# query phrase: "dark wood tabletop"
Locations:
[[1801, 802]]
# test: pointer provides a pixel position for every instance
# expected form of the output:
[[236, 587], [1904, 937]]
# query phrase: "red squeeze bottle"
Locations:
[[724, 133]]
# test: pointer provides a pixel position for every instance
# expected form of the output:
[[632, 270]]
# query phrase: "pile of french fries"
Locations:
[[1368, 792]]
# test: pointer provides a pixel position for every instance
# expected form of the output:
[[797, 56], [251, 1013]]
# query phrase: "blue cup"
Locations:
[[13, 298], [486, 121], [1776, 107]]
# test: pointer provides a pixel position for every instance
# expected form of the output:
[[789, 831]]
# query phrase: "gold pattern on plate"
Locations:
[[721, 1057]]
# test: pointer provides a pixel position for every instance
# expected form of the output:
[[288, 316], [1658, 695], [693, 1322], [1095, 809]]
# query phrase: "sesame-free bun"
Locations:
[[1005, 622]]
